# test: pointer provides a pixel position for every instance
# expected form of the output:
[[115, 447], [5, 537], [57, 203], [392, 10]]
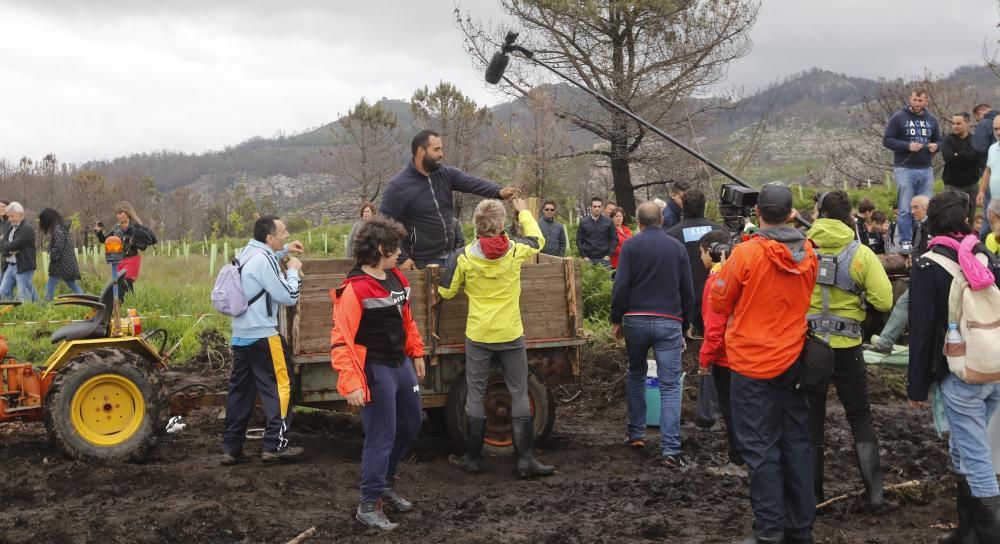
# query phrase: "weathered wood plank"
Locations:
[[544, 304]]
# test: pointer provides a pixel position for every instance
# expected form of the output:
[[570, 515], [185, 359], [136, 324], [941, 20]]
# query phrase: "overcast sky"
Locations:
[[103, 78]]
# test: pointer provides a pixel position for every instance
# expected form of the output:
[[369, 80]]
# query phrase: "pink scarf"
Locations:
[[976, 273]]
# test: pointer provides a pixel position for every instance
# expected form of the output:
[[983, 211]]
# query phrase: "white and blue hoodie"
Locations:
[[261, 272]]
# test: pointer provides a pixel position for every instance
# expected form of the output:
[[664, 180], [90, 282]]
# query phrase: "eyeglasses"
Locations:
[[548, 209]]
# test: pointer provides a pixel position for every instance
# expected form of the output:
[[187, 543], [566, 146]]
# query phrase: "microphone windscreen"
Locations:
[[496, 68]]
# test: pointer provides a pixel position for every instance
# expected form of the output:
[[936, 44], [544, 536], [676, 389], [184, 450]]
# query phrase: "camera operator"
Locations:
[[765, 286]]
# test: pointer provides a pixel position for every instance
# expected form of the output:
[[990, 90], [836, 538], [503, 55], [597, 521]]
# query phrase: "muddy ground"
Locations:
[[602, 493]]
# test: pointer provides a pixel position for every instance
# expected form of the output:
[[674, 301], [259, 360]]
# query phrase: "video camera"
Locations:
[[736, 205]]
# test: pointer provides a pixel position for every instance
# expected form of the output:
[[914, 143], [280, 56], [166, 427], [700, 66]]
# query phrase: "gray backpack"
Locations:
[[227, 294]]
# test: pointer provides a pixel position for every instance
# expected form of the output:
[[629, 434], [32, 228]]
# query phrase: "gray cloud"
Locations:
[[111, 77]]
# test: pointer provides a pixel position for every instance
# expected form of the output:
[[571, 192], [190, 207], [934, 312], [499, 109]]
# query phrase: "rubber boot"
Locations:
[[986, 518], [475, 433], [371, 514], [871, 474], [524, 440], [818, 458], [965, 532]]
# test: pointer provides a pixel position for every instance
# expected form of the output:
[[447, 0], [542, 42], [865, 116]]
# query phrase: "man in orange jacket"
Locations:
[[376, 349], [766, 286]]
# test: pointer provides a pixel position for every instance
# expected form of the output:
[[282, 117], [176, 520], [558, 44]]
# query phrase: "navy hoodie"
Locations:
[[905, 127], [424, 205]]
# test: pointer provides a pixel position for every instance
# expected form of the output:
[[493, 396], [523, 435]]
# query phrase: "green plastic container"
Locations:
[[653, 397]]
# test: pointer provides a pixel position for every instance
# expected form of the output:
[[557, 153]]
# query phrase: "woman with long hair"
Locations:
[[135, 238], [968, 406], [62, 260]]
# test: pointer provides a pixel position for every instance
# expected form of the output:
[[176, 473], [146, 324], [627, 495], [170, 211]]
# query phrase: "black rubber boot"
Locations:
[[871, 474], [986, 518], [475, 433], [965, 533], [524, 440], [818, 457]]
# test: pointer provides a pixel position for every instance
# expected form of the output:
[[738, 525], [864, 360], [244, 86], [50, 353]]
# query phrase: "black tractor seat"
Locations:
[[97, 325]]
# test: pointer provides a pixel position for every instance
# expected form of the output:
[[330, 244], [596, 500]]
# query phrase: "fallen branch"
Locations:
[[571, 399], [894, 487], [304, 536]]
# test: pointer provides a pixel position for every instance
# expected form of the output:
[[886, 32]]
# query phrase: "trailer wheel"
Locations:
[[106, 405], [497, 406]]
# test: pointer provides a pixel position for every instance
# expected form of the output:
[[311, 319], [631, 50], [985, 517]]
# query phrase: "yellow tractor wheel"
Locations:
[[106, 404]]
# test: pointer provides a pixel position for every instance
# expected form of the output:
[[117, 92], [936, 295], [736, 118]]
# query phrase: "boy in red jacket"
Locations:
[[712, 357], [376, 349]]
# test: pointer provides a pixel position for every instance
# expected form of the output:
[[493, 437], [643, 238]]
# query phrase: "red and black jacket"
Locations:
[[361, 293]]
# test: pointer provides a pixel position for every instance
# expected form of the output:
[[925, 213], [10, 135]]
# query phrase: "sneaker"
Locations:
[[288, 453], [905, 248], [397, 503], [673, 461], [877, 348], [371, 514], [230, 459], [635, 443]]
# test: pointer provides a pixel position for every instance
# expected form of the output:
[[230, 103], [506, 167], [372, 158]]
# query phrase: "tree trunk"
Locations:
[[621, 176]]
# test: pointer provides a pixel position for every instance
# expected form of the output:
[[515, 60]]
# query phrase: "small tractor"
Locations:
[[101, 393]]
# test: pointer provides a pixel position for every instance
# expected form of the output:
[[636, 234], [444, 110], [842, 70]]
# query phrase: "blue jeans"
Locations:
[[770, 424], [898, 319], [663, 335], [969, 408], [50, 287], [25, 289], [986, 228], [911, 182]]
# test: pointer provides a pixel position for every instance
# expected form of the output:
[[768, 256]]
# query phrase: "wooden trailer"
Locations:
[[551, 310]]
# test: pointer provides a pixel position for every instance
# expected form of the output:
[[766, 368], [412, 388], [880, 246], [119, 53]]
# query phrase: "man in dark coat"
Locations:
[[17, 256], [689, 232]]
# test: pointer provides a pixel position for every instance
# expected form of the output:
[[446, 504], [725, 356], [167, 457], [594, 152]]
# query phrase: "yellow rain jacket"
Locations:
[[493, 285], [832, 236]]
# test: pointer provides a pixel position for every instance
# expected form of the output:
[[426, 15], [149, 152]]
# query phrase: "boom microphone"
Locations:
[[496, 68]]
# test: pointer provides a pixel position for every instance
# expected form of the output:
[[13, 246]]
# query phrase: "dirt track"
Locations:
[[602, 493]]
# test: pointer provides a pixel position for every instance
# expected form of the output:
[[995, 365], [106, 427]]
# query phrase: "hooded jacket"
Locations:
[[493, 285], [831, 236], [906, 127], [262, 273], [350, 301], [713, 348], [766, 286], [424, 205]]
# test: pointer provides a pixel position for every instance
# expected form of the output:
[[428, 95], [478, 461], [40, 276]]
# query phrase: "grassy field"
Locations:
[[167, 286]]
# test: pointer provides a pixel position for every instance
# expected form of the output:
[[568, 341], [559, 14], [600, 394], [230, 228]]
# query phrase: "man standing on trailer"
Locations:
[[419, 197]]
